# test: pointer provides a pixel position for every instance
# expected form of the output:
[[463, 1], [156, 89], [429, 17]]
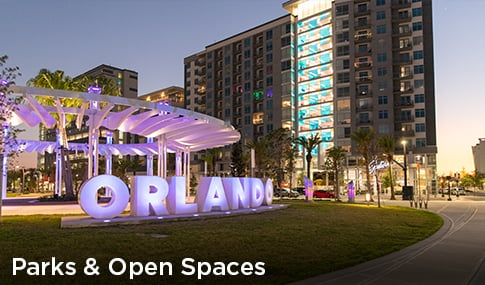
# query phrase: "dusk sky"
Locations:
[[153, 37]]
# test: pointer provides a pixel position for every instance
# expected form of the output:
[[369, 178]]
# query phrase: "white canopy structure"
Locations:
[[174, 129]]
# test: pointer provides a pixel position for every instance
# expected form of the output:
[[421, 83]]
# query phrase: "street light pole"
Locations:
[[405, 168]]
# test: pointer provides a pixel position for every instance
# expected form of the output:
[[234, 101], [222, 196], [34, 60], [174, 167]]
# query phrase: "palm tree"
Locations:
[[309, 144], [335, 156], [211, 156], [387, 145], [261, 156], [364, 138]]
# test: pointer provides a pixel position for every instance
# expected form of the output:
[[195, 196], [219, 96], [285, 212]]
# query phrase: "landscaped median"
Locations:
[[276, 247]]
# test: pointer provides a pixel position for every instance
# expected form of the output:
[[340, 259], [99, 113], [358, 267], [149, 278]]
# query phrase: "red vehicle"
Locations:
[[323, 194]]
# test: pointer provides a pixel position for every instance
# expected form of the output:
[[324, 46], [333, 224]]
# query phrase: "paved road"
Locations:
[[454, 255]]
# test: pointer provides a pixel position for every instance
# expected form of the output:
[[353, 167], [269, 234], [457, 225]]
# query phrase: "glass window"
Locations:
[[269, 35], [381, 71], [383, 100], [381, 29], [383, 114], [418, 83], [381, 57], [419, 98], [419, 113], [342, 10], [418, 69], [417, 12], [420, 128], [285, 41], [418, 54], [380, 15], [418, 26], [380, 2], [420, 142]]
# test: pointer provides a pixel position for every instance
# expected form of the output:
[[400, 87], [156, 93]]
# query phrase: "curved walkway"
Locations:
[[453, 255]]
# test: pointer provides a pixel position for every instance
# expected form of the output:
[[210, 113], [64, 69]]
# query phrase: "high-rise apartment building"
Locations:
[[245, 80], [478, 152], [173, 96], [330, 67]]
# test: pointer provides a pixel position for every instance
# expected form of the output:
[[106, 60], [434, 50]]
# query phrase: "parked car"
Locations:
[[300, 190], [285, 192], [323, 194], [458, 191]]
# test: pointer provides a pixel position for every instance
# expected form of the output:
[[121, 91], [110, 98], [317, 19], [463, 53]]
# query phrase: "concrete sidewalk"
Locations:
[[453, 255]]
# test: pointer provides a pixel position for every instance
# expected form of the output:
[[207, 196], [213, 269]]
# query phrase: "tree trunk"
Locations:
[[391, 180], [308, 164]]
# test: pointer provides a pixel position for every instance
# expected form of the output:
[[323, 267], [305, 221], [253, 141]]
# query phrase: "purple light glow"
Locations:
[[94, 89], [4, 82]]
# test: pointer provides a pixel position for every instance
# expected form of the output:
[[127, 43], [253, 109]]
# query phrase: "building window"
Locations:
[[343, 37], [364, 118], [269, 58], [380, 2], [418, 54], [343, 91], [383, 114], [247, 42], [418, 26], [343, 77], [381, 57], [418, 69], [286, 65], [342, 50], [420, 142], [342, 10], [269, 35], [380, 15], [285, 41], [417, 12], [420, 128], [419, 98], [247, 109], [418, 83], [382, 100], [419, 113], [383, 129], [381, 29], [381, 71], [247, 53], [269, 81], [247, 120], [269, 46]]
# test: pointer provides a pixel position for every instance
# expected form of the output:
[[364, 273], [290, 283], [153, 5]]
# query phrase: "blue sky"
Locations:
[[152, 37]]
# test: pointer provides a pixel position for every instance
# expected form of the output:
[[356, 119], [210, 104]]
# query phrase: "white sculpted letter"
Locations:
[[88, 196], [147, 196], [211, 194], [176, 197]]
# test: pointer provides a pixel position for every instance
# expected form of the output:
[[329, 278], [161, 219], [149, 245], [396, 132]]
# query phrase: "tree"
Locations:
[[211, 157], [238, 165], [309, 144], [261, 156], [387, 145], [289, 155], [472, 180], [8, 133], [278, 143], [364, 139], [335, 157]]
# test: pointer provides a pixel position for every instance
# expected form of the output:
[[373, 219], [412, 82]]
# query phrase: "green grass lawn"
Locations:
[[301, 241]]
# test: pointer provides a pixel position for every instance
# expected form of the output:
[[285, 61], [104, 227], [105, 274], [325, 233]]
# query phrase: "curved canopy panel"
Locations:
[[180, 128]]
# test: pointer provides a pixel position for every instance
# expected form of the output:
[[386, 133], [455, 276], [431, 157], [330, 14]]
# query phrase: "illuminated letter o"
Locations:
[[88, 196]]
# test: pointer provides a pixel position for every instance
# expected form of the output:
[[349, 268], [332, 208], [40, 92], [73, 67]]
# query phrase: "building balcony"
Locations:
[[363, 122], [362, 25], [363, 79], [363, 93], [404, 119], [404, 104], [364, 108], [400, 4], [359, 38], [406, 133], [402, 61], [402, 76], [361, 12], [363, 65], [401, 18], [362, 52]]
